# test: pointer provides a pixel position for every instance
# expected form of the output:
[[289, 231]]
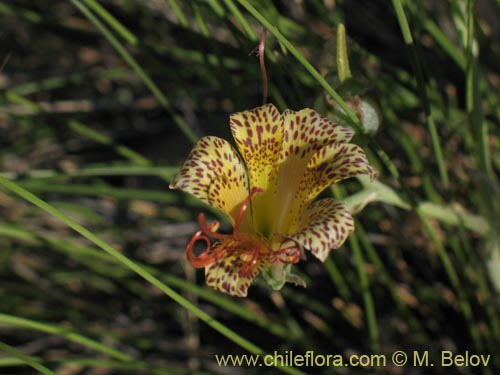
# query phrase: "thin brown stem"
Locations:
[[259, 52]]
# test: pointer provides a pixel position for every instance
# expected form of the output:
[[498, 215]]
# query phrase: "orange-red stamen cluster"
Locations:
[[250, 248]]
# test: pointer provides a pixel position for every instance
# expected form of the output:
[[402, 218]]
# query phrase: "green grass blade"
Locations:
[[178, 13], [84, 130], [422, 89], [446, 44], [30, 361], [198, 16], [14, 321], [364, 283], [403, 22], [241, 19], [473, 96], [337, 279], [202, 315], [343, 69], [166, 172], [455, 282], [112, 22], [162, 99], [122, 150], [101, 191], [386, 277]]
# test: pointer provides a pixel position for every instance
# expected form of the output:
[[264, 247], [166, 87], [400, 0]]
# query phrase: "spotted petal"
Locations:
[[325, 225], [258, 134], [333, 163], [305, 132], [214, 173], [224, 275]]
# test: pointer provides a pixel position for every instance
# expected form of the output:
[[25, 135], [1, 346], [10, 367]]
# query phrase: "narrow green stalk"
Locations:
[[24, 13], [438, 151], [455, 282], [343, 69], [446, 44], [101, 191], [10, 361], [104, 170], [241, 19], [14, 321], [84, 130], [122, 150], [337, 278], [403, 22], [112, 21], [30, 361], [202, 315], [198, 16], [420, 169], [216, 7], [469, 258], [422, 89], [162, 99], [371, 318], [62, 80], [473, 96], [386, 277], [178, 13]]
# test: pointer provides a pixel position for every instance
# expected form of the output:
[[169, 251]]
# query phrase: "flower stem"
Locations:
[[260, 53]]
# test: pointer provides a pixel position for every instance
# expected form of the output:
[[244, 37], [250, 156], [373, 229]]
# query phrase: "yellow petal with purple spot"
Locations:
[[258, 134], [214, 173], [324, 225], [331, 164], [334, 163], [224, 274], [305, 133]]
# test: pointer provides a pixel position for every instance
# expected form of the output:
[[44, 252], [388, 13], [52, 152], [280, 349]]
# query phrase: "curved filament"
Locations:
[[244, 207], [250, 263], [205, 258], [249, 248], [236, 241], [211, 229]]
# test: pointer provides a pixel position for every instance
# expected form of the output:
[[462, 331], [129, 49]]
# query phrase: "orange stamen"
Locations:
[[250, 248], [230, 242]]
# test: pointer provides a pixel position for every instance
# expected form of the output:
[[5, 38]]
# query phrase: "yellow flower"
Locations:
[[267, 194]]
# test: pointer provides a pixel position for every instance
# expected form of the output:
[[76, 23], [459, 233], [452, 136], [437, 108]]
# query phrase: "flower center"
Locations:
[[249, 248]]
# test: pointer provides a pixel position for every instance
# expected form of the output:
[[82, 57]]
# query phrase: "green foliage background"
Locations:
[[100, 103]]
